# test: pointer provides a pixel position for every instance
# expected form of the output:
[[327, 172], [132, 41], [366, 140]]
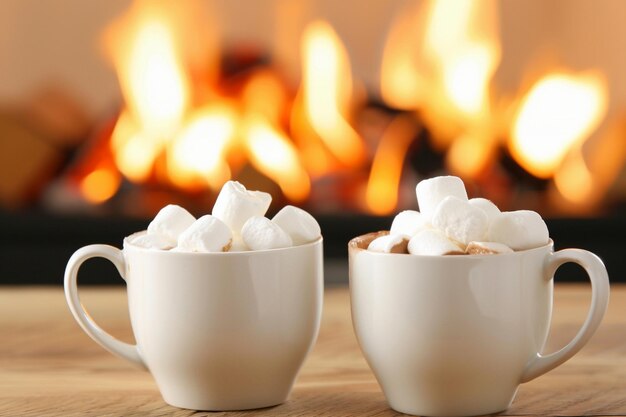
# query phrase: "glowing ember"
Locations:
[[100, 185], [559, 112]]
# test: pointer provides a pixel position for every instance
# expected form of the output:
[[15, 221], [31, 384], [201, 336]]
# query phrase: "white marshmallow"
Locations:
[[235, 205], [170, 222], [522, 229], [460, 220], [151, 242], [238, 245], [261, 233], [299, 225], [179, 249], [432, 242], [432, 191], [487, 248], [389, 244], [207, 234], [409, 223], [491, 210]]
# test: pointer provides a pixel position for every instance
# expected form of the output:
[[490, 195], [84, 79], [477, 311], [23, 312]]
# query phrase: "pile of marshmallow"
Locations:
[[237, 223], [449, 223]]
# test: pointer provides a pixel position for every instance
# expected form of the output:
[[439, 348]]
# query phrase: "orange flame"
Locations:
[[196, 155], [274, 154], [470, 153], [133, 149], [442, 56], [270, 150], [265, 94], [558, 113], [382, 188], [401, 82], [150, 68], [327, 90], [584, 178], [574, 181], [180, 127], [166, 121], [462, 44]]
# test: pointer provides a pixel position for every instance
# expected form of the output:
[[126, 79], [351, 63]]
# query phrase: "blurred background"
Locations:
[[111, 110]]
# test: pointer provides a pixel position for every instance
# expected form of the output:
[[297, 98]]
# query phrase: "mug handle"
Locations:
[[599, 278], [104, 339]]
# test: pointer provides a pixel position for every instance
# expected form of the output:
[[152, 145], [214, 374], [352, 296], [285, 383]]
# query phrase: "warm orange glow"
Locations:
[[150, 70], [265, 94], [586, 176], [157, 88], [382, 188], [198, 151], [469, 154], [315, 155], [133, 150], [466, 81], [327, 90], [462, 44], [558, 113], [182, 126], [401, 83], [194, 134], [272, 153], [442, 57], [146, 47], [574, 181], [100, 185], [154, 85], [607, 156]]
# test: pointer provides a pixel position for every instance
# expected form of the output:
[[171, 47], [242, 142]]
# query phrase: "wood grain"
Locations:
[[49, 367]]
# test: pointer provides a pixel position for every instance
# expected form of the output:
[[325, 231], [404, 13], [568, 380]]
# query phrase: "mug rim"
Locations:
[[127, 244], [353, 247]]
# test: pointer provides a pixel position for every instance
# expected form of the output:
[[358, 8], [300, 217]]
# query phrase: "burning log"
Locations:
[[36, 140]]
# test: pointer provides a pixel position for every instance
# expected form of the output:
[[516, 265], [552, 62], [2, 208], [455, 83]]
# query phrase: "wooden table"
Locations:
[[49, 367]]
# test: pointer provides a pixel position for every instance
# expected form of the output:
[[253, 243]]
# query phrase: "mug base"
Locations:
[[203, 404], [419, 412]]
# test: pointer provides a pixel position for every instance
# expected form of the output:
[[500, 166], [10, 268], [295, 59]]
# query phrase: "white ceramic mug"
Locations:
[[218, 331], [456, 335]]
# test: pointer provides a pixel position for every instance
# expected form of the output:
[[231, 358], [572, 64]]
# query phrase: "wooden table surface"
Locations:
[[49, 367]]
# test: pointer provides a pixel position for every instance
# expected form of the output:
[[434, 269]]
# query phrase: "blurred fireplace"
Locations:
[[456, 91]]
